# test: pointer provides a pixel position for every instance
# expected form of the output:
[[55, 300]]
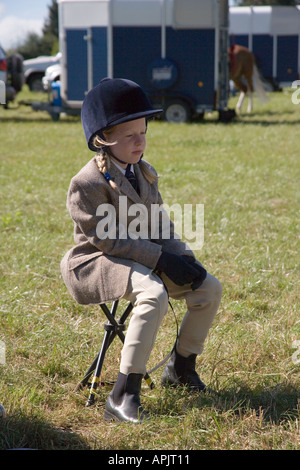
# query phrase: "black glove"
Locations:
[[180, 270], [201, 272]]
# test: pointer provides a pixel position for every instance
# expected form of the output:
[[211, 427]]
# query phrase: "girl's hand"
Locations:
[[180, 270]]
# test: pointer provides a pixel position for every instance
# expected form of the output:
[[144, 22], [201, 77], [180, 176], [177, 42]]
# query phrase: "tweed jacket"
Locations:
[[97, 268]]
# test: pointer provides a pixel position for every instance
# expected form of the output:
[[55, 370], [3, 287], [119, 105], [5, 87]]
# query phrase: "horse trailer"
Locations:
[[272, 33], [176, 50]]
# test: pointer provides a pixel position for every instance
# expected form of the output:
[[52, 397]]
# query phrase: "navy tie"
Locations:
[[131, 177]]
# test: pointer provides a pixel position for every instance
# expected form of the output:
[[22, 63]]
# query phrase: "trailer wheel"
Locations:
[[177, 111], [55, 116]]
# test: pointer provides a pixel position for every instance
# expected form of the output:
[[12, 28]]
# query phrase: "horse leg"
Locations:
[[243, 90], [240, 102]]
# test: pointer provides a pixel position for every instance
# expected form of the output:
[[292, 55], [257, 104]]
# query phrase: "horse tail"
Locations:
[[258, 86]]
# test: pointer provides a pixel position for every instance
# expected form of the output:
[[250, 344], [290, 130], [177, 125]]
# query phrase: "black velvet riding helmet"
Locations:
[[113, 101]]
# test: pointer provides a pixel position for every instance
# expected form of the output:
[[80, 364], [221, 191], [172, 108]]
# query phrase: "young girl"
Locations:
[[107, 265]]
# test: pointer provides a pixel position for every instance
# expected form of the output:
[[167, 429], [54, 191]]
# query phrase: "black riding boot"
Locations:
[[123, 403], [181, 371]]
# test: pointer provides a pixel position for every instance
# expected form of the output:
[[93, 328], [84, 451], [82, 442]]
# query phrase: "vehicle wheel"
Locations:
[[177, 111], [55, 116], [15, 69], [35, 82]]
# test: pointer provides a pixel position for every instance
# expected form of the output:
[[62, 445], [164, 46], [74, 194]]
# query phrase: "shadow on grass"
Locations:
[[20, 432], [257, 117], [41, 118], [276, 404], [262, 118]]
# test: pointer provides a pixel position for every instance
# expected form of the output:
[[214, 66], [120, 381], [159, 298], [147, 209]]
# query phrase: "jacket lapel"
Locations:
[[124, 185], [144, 186]]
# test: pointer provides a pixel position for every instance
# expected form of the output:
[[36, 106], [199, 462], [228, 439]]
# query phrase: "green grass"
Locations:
[[246, 173]]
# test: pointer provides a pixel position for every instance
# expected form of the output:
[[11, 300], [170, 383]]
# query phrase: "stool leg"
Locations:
[[88, 373], [149, 381], [96, 376], [110, 315]]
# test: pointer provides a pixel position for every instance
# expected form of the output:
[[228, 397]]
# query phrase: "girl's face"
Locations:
[[130, 138]]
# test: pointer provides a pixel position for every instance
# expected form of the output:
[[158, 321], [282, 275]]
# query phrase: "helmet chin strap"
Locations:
[[111, 154], [109, 151]]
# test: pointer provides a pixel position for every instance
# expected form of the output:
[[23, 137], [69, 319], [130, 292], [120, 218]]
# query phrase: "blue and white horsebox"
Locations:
[[272, 33], [176, 50]]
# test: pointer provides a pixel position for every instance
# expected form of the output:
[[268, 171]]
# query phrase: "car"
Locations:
[[34, 70], [3, 76], [52, 74], [3, 66], [11, 76]]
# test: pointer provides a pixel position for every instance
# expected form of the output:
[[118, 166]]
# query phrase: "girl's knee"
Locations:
[[216, 286], [213, 287], [163, 300]]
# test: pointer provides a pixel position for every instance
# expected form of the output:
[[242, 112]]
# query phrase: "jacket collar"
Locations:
[[126, 188]]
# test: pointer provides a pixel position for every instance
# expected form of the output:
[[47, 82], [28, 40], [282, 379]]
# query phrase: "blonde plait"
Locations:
[[103, 163], [147, 173]]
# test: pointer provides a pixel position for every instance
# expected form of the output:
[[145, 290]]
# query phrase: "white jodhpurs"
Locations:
[[149, 295]]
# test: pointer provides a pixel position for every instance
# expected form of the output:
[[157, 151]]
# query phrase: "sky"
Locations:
[[19, 17]]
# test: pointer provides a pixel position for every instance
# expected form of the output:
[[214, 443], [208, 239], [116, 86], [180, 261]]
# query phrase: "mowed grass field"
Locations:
[[247, 174]]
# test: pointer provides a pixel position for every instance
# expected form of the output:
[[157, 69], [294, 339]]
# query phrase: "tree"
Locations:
[[51, 24], [50, 29], [46, 44], [31, 47]]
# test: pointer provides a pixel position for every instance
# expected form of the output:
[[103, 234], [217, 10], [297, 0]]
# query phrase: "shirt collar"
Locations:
[[123, 170]]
